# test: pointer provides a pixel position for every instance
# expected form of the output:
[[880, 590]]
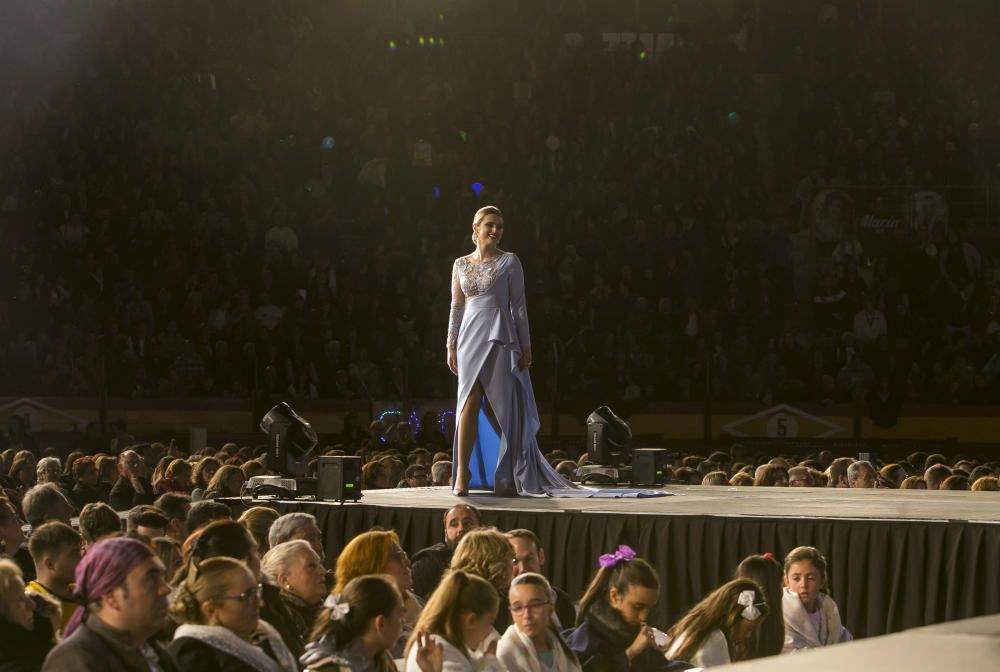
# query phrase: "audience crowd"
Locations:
[[153, 567], [187, 217]]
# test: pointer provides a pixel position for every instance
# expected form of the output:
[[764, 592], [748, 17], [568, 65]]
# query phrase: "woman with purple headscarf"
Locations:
[[121, 588]]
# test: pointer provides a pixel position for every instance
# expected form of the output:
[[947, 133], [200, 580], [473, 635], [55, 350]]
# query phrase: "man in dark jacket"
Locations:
[[123, 596], [132, 487], [429, 564]]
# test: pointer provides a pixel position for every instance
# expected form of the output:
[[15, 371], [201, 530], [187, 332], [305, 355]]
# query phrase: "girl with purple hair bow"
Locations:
[[611, 632]]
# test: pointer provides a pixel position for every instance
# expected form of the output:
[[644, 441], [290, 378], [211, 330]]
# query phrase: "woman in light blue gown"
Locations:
[[489, 349]]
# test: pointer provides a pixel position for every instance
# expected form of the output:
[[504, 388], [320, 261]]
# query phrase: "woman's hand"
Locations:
[[430, 654], [452, 360], [525, 358], [644, 640]]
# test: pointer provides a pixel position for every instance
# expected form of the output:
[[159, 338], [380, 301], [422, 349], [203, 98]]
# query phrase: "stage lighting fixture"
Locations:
[[290, 441], [609, 438]]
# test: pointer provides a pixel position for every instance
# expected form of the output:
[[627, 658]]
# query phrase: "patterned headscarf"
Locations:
[[105, 566]]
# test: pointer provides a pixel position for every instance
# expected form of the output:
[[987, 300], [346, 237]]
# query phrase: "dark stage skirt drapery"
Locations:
[[886, 575]]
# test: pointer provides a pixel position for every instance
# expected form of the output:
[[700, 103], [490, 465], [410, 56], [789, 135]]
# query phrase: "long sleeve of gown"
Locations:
[[457, 307], [518, 306]]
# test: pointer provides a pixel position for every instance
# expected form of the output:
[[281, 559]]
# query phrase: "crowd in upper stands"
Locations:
[[184, 216]]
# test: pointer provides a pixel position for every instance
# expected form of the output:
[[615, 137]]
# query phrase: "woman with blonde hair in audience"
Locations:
[[379, 552], [357, 628], [718, 629], [986, 484], [532, 643], [26, 633], [258, 521], [741, 479], [453, 627], [295, 569], [488, 553], [218, 609]]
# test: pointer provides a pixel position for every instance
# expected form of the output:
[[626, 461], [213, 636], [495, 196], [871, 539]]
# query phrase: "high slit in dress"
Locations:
[[488, 327]]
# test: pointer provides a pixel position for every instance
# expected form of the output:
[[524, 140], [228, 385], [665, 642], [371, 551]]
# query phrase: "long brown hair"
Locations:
[[721, 610], [767, 573], [368, 597], [635, 572], [459, 593]]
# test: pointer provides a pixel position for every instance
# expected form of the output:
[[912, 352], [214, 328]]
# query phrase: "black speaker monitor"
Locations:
[[339, 478], [290, 441], [649, 466], [609, 438]]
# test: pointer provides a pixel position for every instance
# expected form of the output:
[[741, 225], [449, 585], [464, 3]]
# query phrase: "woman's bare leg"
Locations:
[[468, 428]]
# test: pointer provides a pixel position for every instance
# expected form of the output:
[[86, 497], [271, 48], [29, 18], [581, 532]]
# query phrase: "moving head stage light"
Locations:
[[290, 444], [609, 448]]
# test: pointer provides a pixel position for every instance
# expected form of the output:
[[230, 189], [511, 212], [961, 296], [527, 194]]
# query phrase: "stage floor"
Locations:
[[699, 500]]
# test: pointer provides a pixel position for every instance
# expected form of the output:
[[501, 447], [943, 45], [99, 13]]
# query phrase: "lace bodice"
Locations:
[[470, 280]]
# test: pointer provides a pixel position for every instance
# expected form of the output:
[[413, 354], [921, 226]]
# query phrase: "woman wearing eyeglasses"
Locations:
[[218, 607], [379, 552], [532, 643]]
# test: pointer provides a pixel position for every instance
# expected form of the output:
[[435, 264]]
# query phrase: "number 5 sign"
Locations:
[[782, 422]]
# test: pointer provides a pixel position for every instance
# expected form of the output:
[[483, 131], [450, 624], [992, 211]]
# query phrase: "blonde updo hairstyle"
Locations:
[[480, 215], [486, 552], [207, 581]]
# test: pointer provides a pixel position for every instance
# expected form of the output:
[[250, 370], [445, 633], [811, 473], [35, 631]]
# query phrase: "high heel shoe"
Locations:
[[460, 493]]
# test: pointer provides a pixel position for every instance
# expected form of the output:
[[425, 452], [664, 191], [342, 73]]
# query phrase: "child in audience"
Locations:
[[357, 628], [770, 636], [611, 632], [532, 643], [811, 617], [716, 631], [457, 618]]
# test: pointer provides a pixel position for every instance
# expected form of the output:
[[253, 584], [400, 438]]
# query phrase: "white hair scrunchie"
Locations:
[[750, 610], [338, 610]]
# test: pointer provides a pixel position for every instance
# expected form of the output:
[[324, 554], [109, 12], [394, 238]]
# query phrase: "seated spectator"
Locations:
[[715, 478], [458, 617], [220, 538], [430, 563], [44, 503], [893, 473], [252, 468], [441, 473], [56, 549], [170, 553], [529, 557], [936, 474], [49, 470], [741, 479], [147, 522], [202, 474], [913, 483], [11, 534], [176, 507], [611, 632], [177, 477], [837, 472], [687, 475], [357, 628], [258, 521], [986, 484], [415, 476], [819, 477], [132, 487], [812, 618], [862, 474], [567, 469], [955, 482], [220, 626], [296, 571], [123, 596], [227, 482], [771, 475], [379, 552], [800, 477], [85, 486], [375, 476], [107, 473], [718, 629], [297, 525], [26, 634], [98, 521], [769, 638], [21, 474], [204, 512], [488, 553], [532, 642]]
